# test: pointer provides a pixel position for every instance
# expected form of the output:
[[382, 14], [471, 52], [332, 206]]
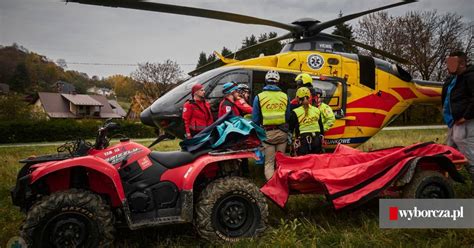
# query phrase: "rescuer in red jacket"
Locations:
[[242, 101], [196, 112], [231, 94]]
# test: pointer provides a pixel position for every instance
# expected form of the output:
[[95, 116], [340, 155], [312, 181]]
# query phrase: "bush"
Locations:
[[21, 131]]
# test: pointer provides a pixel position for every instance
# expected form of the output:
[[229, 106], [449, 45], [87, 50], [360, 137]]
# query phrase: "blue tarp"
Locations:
[[227, 130]]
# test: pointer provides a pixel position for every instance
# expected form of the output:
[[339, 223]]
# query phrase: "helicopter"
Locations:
[[366, 93]]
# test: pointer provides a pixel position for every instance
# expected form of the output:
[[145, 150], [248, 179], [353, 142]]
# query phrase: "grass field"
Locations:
[[308, 221]]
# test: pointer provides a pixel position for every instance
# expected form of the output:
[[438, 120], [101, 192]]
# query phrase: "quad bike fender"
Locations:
[[184, 176], [442, 164], [102, 177]]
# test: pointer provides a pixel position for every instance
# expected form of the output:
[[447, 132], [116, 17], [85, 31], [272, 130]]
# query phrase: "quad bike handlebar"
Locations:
[[101, 140]]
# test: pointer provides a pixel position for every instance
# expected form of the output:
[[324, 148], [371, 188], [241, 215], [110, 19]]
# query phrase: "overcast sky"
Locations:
[[93, 34]]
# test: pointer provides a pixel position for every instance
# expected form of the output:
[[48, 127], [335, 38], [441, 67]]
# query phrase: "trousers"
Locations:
[[276, 142], [461, 137]]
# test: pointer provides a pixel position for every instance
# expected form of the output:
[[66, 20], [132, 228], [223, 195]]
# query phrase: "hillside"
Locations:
[[28, 72]]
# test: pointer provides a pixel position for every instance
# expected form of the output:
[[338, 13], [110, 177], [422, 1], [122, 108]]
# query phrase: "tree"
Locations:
[[424, 38], [225, 51], [157, 78], [211, 58], [13, 107], [269, 49], [21, 78], [202, 60], [345, 30], [123, 86]]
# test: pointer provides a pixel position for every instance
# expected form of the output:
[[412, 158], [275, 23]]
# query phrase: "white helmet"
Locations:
[[272, 76]]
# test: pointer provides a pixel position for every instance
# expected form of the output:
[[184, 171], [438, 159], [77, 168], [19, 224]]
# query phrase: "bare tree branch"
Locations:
[[424, 38]]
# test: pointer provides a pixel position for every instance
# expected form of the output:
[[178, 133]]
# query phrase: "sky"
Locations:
[[104, 41]]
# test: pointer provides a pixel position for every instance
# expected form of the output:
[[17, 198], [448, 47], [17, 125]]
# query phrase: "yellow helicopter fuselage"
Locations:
[[376, 91]]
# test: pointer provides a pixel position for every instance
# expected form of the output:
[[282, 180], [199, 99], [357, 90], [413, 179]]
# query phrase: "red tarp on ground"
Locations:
[[348, 175]]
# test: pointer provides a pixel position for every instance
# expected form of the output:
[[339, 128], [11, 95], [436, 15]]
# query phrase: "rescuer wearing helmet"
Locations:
[[244, 91], [196, 112], [305, 122], [302, 80], [327, 115], [271, 110], [242, 101], [230, 91]]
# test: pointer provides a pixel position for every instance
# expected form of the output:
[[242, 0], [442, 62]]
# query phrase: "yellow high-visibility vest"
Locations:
[[308, 122], [327, 116], [273, 105]]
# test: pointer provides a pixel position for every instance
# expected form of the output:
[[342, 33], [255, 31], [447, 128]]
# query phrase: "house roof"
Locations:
[[57, 105], [79, 99], [117, 108], [106, 110]]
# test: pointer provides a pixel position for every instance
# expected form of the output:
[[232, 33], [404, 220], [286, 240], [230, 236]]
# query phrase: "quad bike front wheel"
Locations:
[[429, 184], [230, 209], [73, 218]]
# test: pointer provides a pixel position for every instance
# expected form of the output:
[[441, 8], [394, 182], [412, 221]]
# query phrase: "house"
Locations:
[[117, 108], [65, 87], [57, 105], [101, 91]]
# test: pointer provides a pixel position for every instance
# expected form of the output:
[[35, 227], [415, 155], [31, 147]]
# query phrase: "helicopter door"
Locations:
[[334, 94], [215, 94]]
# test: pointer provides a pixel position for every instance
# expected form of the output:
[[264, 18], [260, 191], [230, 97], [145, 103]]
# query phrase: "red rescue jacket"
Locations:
[[227, 105], [196, 116], [243, 107]]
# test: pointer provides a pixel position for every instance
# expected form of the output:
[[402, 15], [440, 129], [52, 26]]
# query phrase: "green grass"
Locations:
[[308, 220]]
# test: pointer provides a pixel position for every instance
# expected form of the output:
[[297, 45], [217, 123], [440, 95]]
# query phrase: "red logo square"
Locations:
[[393, 213]]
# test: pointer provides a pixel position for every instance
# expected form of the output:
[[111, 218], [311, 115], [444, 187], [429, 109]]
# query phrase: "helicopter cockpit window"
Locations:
[[303, 46], [239, 77], [328, 88]]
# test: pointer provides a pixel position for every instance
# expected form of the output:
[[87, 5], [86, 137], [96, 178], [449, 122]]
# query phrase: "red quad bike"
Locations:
[[77, 197]]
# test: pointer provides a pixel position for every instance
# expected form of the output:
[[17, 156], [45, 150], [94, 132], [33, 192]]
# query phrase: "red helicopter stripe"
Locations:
[[428, 92], [383, 100], [406, 93], [335, 130], [366, 120]]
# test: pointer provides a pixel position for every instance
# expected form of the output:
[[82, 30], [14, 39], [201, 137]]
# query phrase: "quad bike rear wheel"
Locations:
[[429, 184], [230, 209], [72, 218]]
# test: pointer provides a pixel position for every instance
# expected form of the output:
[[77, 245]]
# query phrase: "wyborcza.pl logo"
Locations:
[[426, 213], [409, 214]]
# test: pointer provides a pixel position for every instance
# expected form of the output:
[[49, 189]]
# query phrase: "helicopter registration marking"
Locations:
[[315, 61]]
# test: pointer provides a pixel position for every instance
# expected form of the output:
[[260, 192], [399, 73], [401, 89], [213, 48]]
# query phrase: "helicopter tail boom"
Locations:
[[427, 91]]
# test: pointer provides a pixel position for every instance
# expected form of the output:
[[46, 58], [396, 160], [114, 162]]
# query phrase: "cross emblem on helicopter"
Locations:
[[315, 61]]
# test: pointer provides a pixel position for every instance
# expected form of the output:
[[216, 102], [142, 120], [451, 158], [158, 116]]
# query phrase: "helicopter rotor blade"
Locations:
[[318, 27], [188, 11], [217, 63], [370, 48]]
